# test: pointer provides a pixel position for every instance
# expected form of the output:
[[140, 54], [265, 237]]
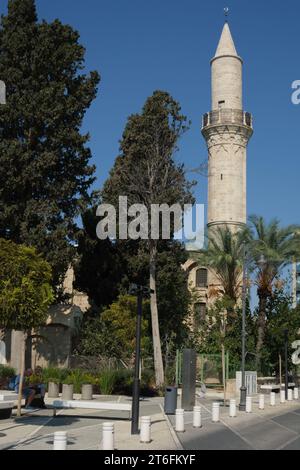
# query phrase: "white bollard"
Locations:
[[272, 399], [249, 405], [296, 393], [145, 436], [290, 394], [60, 440], [197, 422], [179, 423], [261, 404], [232, 408], [282, 396], [108, 431], [215, 412]]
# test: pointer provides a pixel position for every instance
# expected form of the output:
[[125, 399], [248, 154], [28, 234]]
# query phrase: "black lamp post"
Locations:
[[286, 339], [140, 292], [243, 389]]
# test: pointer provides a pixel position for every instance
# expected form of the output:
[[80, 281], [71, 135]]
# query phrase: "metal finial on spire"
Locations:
[[226, 13]]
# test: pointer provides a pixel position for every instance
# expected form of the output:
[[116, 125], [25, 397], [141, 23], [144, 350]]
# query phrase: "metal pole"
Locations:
[[280, 371], [286, 333], [243, 388], [136, 382]]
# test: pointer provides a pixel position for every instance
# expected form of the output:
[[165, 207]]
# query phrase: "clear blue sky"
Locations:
[[139, 46]]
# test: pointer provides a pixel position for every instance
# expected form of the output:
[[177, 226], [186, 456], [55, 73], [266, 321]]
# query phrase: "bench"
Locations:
[[91, 405], [274, 387], [6, 409], [6, 395]]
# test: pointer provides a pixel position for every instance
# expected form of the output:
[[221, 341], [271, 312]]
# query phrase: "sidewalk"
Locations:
[[273, 428], [84, 427]]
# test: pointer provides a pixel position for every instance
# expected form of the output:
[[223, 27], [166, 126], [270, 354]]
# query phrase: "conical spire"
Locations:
[[226, 45]]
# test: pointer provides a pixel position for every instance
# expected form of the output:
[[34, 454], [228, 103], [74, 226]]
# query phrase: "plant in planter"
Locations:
[[52, 377], [88, 381], [75, 378], [53, 387], [107, 381], [68, 388]]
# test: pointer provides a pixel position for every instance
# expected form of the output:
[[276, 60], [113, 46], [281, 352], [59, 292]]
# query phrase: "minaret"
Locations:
[[227, 130]]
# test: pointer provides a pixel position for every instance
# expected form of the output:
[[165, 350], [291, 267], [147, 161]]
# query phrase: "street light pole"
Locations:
[[136, 382], [139, 291], [286, 336], [243, 388]]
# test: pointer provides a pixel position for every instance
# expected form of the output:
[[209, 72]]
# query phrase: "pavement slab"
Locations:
[[35, 430]]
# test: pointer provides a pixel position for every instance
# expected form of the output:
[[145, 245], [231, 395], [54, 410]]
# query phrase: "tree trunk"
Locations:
[[223, 336], [261, 327], [224, 373], [158, 362], [22, 369]]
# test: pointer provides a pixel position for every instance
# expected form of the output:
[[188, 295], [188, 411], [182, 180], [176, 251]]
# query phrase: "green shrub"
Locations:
[[54, 380], [75, 378], [51, 374], [107, 381], [88, 378], [123, 382], [6, 372]]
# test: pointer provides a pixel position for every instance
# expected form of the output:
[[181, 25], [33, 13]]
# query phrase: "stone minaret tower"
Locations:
[[227, 130]]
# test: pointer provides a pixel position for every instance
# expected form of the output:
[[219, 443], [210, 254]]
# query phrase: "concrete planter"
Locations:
[[53, 390], [67, 392], [87, 392]]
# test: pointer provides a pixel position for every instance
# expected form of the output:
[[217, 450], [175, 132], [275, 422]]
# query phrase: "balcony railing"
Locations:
[[227, 116]]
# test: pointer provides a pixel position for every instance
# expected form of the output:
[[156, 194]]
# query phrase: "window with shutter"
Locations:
[[201, 278]]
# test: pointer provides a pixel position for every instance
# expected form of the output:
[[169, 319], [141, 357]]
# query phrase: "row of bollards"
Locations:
[[108, 435], [179, 419], [108, 442], [197, 423]]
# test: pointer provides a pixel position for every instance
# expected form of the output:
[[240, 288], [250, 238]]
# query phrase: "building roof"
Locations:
[[226, 44]]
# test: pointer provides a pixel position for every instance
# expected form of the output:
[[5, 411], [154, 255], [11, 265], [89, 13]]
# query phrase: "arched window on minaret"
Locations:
[[201, 277]]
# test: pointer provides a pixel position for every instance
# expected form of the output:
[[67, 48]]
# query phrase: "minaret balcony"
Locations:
[[227, 116]]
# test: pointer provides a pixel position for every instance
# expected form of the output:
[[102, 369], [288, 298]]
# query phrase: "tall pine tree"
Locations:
[[147, 173], [45, 174]]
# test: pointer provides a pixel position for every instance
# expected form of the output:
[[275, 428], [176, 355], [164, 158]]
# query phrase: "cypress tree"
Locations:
[[45, 173]]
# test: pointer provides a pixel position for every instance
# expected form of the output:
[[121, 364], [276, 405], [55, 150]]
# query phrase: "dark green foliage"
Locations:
[[25, 290], [100, 268], [209, 338], [279, 246], [45, 173], [279, 316], [112, 333], [6, 372], [146, 171]]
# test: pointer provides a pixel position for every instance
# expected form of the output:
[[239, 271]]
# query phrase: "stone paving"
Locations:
[[273, 428], [35, 430]]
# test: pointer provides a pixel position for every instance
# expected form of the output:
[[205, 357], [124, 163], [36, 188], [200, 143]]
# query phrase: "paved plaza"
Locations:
[[273, 428]]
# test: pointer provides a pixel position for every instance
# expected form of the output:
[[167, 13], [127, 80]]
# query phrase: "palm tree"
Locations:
[[278, 246], [225, 257]]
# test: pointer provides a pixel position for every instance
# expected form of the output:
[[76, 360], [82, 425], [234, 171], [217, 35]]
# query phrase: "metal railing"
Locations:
[[227, 116]]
